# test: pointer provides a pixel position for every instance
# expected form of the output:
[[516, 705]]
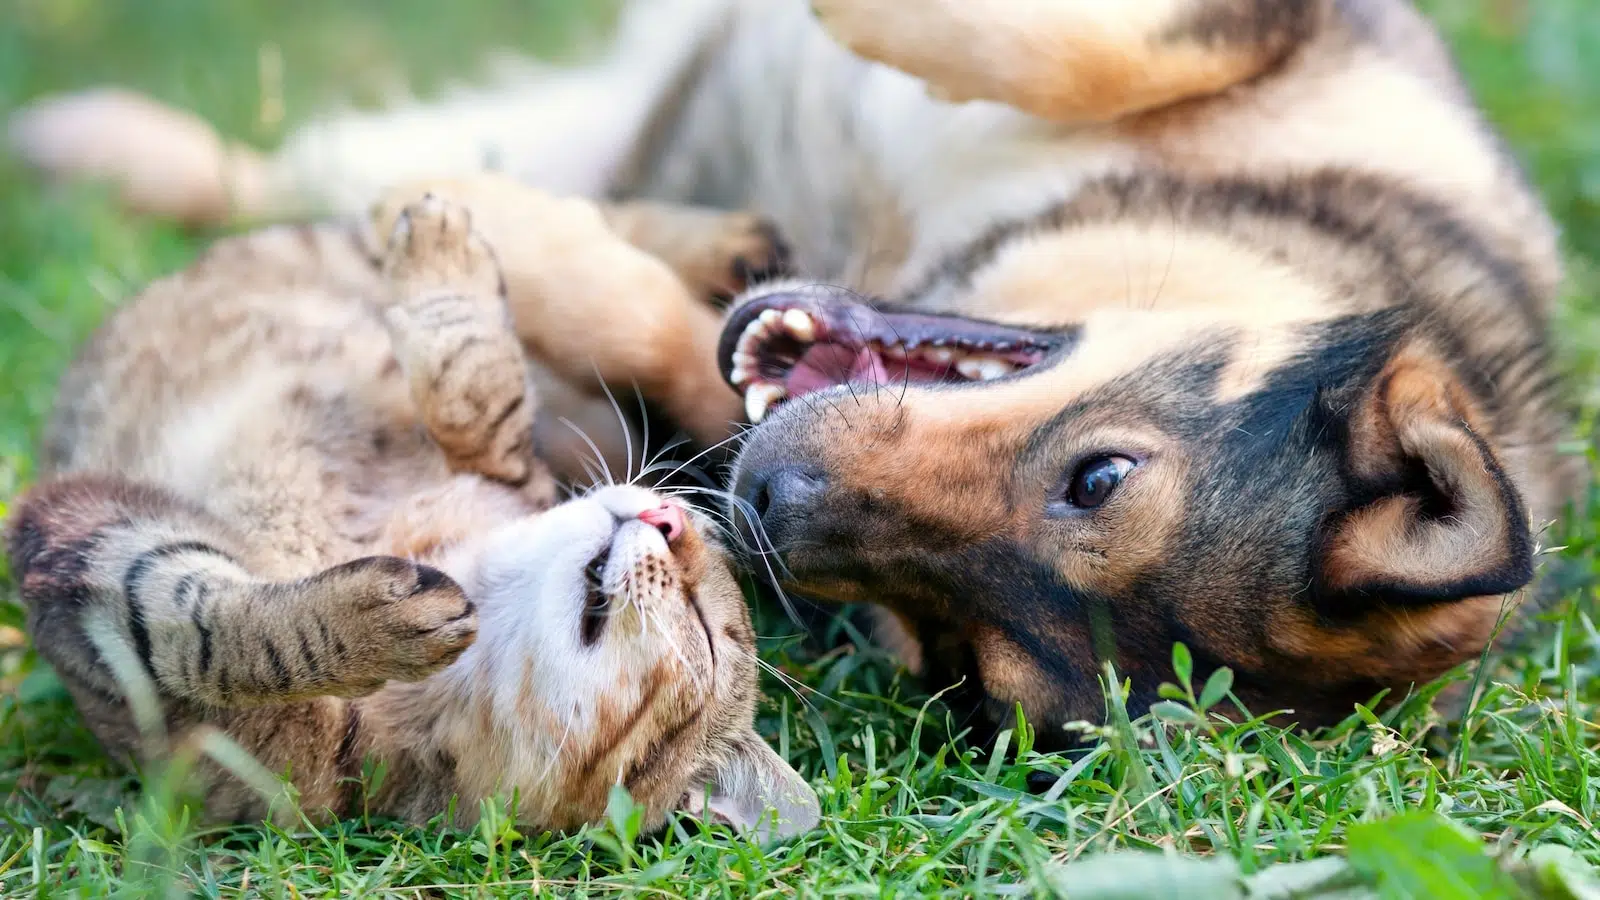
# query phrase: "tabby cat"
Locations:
[[293, 490]]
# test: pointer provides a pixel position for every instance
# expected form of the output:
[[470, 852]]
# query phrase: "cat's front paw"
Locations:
[[434, 249], [401, 621]]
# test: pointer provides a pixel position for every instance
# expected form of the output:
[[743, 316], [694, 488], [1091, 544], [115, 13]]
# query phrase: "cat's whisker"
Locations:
[[721, 525], [561, 744], [648, 462], [738, 435], [622, 422], [800, 688], [578, 492], [593, 447], [763, 549], [644, 422], [631, 599], [657, 462], [786, 682], [677, 650], [718, 517]]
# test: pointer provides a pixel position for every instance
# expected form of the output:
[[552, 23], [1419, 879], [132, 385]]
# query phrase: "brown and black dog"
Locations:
[[1214, 321]]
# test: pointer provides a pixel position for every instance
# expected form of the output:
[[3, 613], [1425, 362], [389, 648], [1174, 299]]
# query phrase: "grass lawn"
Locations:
[[1495, 803]]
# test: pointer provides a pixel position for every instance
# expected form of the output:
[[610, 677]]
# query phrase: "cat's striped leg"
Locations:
[[453, 335], [119, 577]]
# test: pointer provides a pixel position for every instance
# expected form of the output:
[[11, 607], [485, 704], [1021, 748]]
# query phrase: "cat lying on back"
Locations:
[[294, 487]]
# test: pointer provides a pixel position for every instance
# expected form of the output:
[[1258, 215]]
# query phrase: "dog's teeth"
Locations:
[[940, 355], [990, 369], [759, 398], [970, 368], [894, 351], [799, 323], [755, 331], [752, 338], [770, 317], [744, 369]]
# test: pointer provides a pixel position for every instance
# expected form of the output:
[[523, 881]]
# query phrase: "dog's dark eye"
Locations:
[[1096, 479]]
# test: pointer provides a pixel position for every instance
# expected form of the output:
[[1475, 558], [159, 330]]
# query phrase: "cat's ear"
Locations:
[[754, 790]]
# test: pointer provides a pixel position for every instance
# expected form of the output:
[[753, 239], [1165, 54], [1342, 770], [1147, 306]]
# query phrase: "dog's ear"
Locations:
[[1442, 521]]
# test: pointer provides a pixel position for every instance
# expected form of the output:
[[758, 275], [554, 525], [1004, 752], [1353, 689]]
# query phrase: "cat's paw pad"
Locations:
[[433, 246], [415, 618]]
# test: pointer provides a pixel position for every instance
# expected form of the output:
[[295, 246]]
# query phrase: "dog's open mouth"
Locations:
[[777, 348]]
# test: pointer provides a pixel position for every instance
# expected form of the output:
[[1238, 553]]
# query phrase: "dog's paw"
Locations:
[[750, 251]]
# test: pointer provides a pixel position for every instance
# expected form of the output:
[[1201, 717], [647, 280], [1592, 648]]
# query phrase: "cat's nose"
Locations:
[[666, 518]]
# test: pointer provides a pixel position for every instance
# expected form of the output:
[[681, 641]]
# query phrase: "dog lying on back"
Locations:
[[1220, 321], [292, 489]]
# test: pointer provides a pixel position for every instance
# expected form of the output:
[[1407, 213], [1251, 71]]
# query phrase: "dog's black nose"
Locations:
[[778, 502]]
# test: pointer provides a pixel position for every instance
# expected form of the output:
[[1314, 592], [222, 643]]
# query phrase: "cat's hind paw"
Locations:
[[434, 249]]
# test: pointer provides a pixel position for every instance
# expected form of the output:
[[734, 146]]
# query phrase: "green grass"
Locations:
[[909, 810]]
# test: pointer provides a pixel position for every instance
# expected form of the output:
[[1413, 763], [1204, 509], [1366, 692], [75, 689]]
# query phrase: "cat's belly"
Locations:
[[285, 414]]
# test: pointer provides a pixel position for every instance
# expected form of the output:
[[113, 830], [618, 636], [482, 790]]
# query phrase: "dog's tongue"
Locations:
[[826, 365], [868, 366]]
